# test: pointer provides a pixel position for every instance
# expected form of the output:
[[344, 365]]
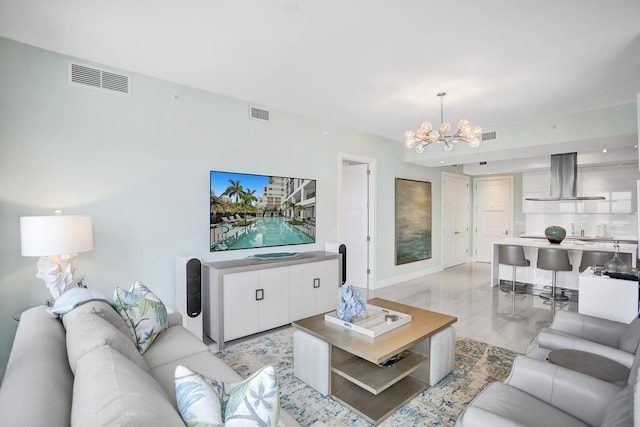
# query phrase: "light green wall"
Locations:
[[139, 166], [519, 218]]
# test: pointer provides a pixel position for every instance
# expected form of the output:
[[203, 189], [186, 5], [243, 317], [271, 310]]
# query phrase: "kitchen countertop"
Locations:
[[581, 245], [626, 239]]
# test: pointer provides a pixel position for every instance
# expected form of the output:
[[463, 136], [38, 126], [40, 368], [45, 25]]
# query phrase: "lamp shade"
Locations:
[[55, 235]]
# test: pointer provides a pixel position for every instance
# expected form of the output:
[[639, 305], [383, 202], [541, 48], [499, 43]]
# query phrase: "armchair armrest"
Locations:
[[579, 395], [553, 340], [603, 331], [478, 417]]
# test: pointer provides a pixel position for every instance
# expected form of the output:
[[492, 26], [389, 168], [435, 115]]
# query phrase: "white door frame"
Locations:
[[371, 162], [443, 213]]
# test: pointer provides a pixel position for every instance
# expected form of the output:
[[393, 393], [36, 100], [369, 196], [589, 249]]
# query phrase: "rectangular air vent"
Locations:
[[87, 75], [488, 136], [258, 113]]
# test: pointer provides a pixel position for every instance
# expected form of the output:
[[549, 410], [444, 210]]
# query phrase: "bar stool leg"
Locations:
[[553, 296], [516, 289]]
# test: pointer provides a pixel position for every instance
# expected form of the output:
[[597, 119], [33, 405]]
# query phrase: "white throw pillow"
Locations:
[[143, 312], [205, 401], [75, 297]]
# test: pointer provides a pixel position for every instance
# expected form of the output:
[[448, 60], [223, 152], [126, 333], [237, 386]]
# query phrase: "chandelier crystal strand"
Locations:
[[426, 135]]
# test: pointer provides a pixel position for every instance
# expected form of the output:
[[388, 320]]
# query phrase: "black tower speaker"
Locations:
[[194, 286], [342, 249]]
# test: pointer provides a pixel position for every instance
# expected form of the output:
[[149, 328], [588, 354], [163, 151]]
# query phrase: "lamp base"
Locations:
[[57, 273]]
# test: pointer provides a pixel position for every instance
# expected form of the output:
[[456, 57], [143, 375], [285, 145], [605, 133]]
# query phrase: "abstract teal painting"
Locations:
[[413, 220]]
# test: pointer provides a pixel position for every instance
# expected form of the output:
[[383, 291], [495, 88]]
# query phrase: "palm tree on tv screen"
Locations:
[[248, 198], [234, 189]]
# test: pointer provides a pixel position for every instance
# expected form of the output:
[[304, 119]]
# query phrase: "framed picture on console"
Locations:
[[412, 221]]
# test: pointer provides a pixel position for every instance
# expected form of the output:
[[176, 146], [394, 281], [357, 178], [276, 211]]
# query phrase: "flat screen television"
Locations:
[[250, 211]]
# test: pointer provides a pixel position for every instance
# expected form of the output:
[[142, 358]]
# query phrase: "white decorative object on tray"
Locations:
[[375, 322]]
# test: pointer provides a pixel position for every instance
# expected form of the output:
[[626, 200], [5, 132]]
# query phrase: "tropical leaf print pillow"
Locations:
[[204, 401], [143, 312]]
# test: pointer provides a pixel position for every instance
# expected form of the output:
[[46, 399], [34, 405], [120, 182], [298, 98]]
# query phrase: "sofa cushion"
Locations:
[[506, 402], [204, 362], [619, 413], [173, 344], [37, 386], [110, 390], [206, 401], [631, 337], [104, 310], [143, 311], [87, 331]]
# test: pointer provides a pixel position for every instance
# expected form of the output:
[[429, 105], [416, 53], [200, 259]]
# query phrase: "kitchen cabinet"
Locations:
[[608, 298], [312, 289], [246, 296], [612, 182]]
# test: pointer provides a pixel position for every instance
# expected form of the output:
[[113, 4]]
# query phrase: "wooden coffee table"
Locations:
[[356, 378]]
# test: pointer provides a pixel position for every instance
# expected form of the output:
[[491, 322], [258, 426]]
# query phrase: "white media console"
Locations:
[[250, 295]]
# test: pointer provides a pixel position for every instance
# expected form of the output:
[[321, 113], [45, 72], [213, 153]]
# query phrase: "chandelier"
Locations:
[[426, 134]]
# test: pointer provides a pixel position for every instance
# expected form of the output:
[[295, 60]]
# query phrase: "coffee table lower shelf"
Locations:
[[375, 407], [374, 391]]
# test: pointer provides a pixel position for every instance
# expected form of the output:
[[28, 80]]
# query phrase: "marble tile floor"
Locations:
[[484, 313]]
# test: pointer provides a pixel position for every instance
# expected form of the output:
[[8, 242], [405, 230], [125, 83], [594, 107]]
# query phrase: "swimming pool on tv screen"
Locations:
[[265, 232]]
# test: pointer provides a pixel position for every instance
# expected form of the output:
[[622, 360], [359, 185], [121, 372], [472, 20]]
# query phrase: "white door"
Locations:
[[455, 219], [354, 222], [493, 213]]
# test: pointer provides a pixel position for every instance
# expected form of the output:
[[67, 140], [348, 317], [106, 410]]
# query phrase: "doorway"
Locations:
[[456, 218], [493, 213], [356, 219]]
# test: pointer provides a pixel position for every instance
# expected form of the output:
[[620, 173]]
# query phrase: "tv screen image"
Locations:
[[249, 211]]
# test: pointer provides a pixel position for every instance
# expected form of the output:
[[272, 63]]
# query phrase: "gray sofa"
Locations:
[[86, 371], [610, 339], [537, 393]]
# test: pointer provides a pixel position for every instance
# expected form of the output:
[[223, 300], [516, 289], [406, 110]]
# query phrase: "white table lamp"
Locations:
[[56, 240]]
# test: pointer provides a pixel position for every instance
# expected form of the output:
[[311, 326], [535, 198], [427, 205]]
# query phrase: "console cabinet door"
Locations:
[[301, 293], [274, 308], [241, 309], [327, 294], [313, 288]]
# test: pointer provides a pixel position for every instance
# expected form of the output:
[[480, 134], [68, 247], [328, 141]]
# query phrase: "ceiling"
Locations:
[[372, 65]]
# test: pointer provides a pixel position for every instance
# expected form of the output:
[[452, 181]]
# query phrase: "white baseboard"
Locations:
[[405, 277]]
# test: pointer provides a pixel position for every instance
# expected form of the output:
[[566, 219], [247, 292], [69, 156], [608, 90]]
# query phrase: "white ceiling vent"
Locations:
[[488, 136], [87, 75], [258, 113]]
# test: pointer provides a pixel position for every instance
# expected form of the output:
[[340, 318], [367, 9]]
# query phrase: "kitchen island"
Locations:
[[565, 279]]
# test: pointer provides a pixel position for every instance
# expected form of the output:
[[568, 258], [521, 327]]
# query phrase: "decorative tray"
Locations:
[[276, 255], [375, 322]]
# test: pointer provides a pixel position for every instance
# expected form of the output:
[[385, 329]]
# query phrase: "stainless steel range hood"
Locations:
[[564, 183]]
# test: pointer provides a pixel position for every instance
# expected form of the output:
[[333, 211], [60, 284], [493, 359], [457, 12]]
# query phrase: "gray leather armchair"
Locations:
[[537, 393], [569, 330]]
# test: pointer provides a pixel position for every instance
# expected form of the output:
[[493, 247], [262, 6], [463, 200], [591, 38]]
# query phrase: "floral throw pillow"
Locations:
[[143, 312], [204, 401]]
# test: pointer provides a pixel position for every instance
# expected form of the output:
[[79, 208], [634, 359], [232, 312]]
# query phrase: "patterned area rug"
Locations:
[[477, 364]]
